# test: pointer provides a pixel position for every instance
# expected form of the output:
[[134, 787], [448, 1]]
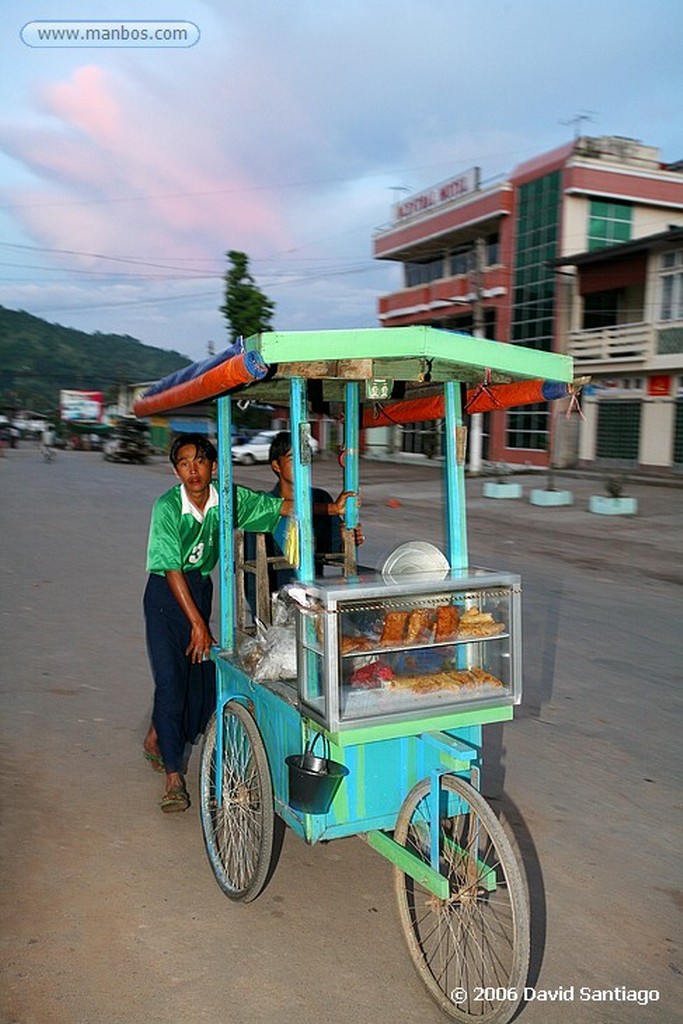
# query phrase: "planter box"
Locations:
[[603, 506], [545, 497], [494, 489]]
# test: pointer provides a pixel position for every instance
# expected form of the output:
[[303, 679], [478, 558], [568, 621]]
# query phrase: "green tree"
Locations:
[[247, 309]]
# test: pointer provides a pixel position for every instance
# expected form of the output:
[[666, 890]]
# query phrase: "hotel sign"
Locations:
[[438, 195]]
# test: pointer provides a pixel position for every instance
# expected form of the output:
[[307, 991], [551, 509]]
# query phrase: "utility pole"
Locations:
[[476, 431]]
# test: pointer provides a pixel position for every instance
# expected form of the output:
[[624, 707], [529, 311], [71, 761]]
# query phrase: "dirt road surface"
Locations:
[[110, 913]]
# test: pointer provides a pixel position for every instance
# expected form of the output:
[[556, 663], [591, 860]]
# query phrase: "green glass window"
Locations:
[[609, 223], [534, 283]]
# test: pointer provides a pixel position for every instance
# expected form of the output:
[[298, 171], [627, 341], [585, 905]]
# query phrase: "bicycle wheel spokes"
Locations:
[[238, 832], [471, 949]]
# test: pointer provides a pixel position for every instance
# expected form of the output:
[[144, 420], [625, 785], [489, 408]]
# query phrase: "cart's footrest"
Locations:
[[408, 863]]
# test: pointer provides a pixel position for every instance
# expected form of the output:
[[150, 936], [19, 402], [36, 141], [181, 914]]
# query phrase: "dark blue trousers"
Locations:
[[184, 694]]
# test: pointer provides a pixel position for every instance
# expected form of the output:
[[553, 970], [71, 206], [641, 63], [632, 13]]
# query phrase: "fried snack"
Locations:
[[393, 628], [355, 643], [468, 679], [476, 630], [447, 620], [473, 615], [419, 626], [480, 677], [475, 624]]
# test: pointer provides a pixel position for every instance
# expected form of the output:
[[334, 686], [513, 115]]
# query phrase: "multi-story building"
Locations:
[[623, 324], [492, 258]]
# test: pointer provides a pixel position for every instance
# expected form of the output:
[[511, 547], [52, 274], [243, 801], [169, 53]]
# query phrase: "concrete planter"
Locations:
[[551, 498], [496, 489], [604, 506]]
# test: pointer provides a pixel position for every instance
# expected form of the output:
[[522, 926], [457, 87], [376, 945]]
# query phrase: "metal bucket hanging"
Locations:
[[313, 780]]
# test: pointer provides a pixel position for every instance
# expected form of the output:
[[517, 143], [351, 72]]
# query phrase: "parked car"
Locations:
[[128, 443], [257, 448]]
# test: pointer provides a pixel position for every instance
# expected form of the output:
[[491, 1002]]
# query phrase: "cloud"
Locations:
[[123, 177], [85, 102], [283, 132]]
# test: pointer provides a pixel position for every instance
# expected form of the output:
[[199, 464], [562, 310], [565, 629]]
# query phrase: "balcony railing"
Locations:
[[622, 343]]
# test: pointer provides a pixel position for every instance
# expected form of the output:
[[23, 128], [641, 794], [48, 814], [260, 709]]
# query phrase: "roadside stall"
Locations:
[[355, 705]]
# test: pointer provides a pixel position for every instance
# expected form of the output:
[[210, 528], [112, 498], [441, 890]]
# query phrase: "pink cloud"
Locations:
[[133, 170], [86, 102]]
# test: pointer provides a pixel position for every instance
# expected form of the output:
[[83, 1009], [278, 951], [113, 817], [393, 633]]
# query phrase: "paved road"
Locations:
[[110, 913]]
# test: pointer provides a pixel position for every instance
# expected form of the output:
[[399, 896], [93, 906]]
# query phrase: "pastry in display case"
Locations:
[[371, 649]]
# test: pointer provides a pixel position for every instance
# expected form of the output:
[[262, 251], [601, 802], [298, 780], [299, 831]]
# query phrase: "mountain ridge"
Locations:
[[38, 359]]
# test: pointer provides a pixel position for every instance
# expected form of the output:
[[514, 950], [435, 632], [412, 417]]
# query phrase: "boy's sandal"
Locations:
[[156, 761], [175, 800]]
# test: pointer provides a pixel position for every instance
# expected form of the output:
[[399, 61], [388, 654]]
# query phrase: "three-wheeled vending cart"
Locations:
[[374, 729]]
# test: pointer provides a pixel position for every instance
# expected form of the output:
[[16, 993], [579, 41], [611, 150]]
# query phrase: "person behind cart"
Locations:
[[327, 521], [182, 550]]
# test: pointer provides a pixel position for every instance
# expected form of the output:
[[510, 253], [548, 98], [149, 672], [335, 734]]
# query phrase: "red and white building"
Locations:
[[536, 259]]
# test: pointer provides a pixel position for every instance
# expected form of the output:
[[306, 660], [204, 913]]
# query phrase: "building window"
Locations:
[[529, 428], [423, 273], [600, 310], [618, 430], [609, 222], [492, 250], [425, 438], [462, 260], [536, 247], [671, 306], [678, 432]]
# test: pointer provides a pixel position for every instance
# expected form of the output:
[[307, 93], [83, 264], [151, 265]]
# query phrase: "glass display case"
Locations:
[[372, 649]]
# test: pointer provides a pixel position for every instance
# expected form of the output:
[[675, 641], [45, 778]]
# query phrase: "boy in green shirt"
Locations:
[[182, 551]]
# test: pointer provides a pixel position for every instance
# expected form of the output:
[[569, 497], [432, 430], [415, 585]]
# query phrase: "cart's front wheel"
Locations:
[[238, 831], [472, 949]]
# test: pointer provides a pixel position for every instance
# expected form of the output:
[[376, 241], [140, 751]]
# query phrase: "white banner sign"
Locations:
[[437, 195]]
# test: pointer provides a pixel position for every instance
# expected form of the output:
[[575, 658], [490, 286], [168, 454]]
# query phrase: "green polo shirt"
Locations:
[[182, 538]]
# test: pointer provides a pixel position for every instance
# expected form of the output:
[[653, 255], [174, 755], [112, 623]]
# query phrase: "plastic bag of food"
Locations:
[[271, 653], [278, 659]]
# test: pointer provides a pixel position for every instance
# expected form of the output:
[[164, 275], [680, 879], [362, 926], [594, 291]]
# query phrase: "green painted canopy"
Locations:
[[420, 356]]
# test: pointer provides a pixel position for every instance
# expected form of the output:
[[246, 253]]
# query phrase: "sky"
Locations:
[[287, 130]]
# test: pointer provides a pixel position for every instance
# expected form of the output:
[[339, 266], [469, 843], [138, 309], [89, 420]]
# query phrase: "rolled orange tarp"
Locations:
[[479, 399], [234, 372]]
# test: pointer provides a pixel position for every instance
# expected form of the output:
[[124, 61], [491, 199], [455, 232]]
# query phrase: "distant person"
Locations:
[[182, 550], [47, 443]]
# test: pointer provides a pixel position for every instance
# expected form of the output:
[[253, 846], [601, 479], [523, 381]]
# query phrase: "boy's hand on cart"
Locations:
[[358, 535], [338, 507], [200, 644]]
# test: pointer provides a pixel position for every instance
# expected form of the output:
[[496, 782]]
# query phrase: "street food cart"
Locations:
[[374, 729]]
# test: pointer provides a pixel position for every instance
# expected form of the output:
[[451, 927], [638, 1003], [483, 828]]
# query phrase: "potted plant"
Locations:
[[550, 495], [501, 487], [613, 503]]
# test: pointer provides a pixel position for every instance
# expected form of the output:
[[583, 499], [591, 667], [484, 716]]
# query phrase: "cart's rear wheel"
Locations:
[[239, 832], [472, 949]]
